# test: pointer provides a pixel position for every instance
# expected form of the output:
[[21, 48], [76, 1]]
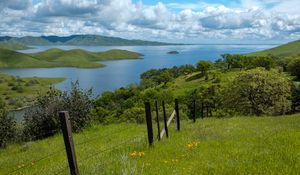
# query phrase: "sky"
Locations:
[[178, 21]]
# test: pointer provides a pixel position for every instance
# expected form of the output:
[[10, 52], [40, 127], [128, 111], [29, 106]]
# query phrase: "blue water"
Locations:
[[124, 72]]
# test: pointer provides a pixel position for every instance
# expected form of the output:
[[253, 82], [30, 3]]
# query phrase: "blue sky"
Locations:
[[188, 21]]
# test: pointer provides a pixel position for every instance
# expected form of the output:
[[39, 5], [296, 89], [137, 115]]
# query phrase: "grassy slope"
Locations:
[[289, 49], [12, 59], [241, 145], [61, 58], [30, 91], [13, 45], [187, 83]]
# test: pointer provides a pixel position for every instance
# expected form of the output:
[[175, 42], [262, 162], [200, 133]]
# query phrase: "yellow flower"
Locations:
[[165, 161]]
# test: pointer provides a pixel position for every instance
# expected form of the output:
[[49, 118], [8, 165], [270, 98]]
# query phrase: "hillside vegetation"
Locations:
[[61, 58], [241, 145], [19, 92], [286, 50]]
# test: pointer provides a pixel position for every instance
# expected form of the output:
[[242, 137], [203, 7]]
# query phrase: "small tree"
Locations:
[[258, 92], [294, 67], [204, 66], [7, 126]]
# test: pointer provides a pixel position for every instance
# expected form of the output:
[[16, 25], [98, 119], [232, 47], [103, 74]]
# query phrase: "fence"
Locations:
[[167, 122], [69, 145]]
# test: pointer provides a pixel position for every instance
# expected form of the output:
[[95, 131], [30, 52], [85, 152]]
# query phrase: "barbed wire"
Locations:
[[112, 147], [100, 136], [32, 163]]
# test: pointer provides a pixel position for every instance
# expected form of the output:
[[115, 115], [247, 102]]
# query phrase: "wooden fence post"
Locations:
[[202, 110], [149, 123], [157, 120], [177, 114], [165, 119], [194, 112], [68, 139]]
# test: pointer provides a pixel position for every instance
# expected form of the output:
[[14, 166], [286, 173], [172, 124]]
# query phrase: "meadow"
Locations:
[[20, 92], [238, 145]]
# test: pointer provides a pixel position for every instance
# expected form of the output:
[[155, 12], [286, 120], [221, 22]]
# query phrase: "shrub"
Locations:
[[258, 92], [42, 121], [7, 126], [294, 67], [134, 114]]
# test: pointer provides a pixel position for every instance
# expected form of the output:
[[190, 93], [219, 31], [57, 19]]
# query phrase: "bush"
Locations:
[[294, 67], [7, 126], [42, 121], [258, 92], [134, 114]]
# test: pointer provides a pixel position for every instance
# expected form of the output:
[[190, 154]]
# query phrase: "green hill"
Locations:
[[239, 145], [286, 50], [13, 45], [61, 58], [13, 59]]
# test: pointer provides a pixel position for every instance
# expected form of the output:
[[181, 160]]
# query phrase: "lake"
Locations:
[[120, 73]]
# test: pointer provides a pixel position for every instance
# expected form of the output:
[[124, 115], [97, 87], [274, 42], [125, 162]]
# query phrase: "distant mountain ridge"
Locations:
[[76, 40]]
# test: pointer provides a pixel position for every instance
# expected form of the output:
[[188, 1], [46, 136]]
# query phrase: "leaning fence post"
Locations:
[[194, 112], [165, 119], [157, 120], [68, 139], [177, 114], [149, 123]]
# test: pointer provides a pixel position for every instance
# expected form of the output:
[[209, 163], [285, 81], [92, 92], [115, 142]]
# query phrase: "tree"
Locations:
[[258, 92], [204, 66], [294, 67], [7, 126], [266, 62]]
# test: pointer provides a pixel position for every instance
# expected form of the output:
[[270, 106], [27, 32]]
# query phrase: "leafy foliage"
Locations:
[[258, 92], [7, 126], [294, 67], [42, 120]]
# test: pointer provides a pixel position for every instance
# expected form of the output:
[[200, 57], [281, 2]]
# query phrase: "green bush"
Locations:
[[134, 114], [42, 121], [258, 92], [294, 67], [7, 126]]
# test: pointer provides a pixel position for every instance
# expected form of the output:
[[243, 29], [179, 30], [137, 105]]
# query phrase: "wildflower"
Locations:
[[134, 154], [165, 161]]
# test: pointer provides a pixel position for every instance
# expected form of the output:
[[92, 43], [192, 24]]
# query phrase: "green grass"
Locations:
[[31, 87], [289, 49], [13, 59], [189, 82], [240, 145], [62, 58]]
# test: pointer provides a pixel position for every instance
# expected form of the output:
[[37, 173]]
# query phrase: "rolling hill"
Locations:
[[86, 40], [62, 58], [286, 50], [13, 59]]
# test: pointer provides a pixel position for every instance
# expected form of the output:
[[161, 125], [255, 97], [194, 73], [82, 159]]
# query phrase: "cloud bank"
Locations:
[[198, 22]]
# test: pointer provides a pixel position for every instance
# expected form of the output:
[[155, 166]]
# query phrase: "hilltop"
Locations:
[[62, 58], [77, 40], [285, 50]]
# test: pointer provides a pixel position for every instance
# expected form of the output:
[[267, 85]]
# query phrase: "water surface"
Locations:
[[120, 73]]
